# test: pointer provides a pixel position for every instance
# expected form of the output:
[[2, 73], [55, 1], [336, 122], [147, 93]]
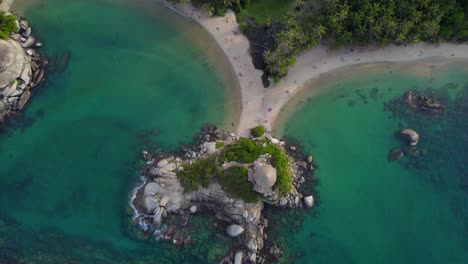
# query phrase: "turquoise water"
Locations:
[[139, 76], [136, 79], [372, 210]]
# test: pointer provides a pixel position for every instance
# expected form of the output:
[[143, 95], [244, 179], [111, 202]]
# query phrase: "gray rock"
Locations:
[[252, 246], [310, 159], [16, 37], [293, 148], [234, 230], [2, 109], [39, 44], [150, 204], [10, 89], [164, 200], [27, 33], [24, 24], [170, 166], [193, 209], [253, 258], [162, 163], [309, 201], [29, 42], [245, 214], [283, 202], [210, 147], [157, 218], [411, 135], [30, 52], [238, 257]]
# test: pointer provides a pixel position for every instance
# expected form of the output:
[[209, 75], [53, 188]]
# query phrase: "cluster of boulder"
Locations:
[[21, 69], [162, 194], [411, 139], [424, 103]]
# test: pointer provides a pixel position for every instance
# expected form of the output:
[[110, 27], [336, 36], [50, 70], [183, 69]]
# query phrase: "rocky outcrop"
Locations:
[[410, 135], [21, 69], [424, 103], [162, 196]]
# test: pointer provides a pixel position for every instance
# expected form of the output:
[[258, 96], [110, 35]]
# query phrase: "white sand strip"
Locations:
[[262, 106]]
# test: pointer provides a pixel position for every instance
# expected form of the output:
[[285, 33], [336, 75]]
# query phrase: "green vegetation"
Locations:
[[281, 29], [218, 7], [264, 10], [247, 151], [234, 181], [280, 161], [258, 131], [7, 25], [244, 151], [358, 22], [220, 145], [199, 173]]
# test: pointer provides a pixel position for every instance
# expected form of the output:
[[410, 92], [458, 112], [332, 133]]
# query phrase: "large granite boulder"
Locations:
[[234, 230], [210, 147], [309, 201], [410, 135]]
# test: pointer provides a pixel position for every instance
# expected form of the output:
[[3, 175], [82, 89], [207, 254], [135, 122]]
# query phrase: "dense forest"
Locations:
[[282, 33]]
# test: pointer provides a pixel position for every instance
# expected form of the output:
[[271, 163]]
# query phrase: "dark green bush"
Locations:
[[7, 25], [244, 151], [280, 161], [220, 145], [258, 131], [235, 182], [199, 173]]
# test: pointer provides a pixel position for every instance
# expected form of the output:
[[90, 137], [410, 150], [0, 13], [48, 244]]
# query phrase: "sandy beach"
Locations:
[[262, 106], [6, 5]]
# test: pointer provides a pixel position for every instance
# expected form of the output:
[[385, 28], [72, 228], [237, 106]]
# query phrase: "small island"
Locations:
[[225, 175]]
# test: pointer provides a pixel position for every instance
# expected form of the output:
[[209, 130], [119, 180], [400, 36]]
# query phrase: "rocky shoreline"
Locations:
[[161, 198], [22, 68]]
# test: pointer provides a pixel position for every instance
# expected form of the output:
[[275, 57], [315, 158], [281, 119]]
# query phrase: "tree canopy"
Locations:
[[346, 22]]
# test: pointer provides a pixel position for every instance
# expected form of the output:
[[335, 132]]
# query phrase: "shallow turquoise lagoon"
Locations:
[[135, 79], [371, 210]]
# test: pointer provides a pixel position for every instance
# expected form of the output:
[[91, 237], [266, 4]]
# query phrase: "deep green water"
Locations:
[[136, 78], [372, 210]]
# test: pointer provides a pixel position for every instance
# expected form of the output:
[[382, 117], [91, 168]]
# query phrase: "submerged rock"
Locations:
[[395, 154], [424, 103]]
